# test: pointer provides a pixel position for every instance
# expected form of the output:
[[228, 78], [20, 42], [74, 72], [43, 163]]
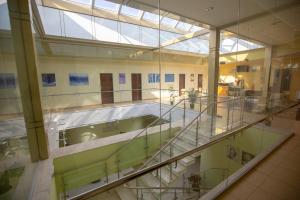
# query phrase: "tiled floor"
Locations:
[[277, 177]]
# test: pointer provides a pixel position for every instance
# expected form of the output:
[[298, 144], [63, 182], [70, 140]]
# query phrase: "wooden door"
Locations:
[[181, 82], [200, 81], [106, 82], [136, 85]]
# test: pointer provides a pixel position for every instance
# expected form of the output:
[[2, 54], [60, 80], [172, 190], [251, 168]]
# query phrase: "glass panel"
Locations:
[[107, 5], [151, 17], [53, 26], [106, 30], [183, 26], [169, 22], [126, 10], [85, 2]]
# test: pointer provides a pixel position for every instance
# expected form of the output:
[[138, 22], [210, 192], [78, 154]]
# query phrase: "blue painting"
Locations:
[[169, 78], [153, 78], [122, 79], [7, 81], [48, 80], [77, 79]]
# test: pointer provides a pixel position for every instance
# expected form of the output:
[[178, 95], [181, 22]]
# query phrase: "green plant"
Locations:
[[171, 94], [192, 95]]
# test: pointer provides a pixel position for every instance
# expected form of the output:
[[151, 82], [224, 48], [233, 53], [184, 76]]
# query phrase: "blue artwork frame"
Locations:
[[78, 79], [169, 78], [7, 81], [153, 78], [49, 80], [122, 78]]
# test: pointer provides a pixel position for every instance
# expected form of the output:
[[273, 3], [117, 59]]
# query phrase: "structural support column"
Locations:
[[19, 13], [266, 75], [213, 69]]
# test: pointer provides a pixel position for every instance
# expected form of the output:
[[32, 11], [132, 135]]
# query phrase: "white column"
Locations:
[[213, 68], [266, 73], [26, 62]]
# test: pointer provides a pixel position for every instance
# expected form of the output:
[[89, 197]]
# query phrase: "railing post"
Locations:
[[137, 193], [242, 109], [200, 105], [184, 112], [106, 172], [228, 112], [170, 124], [146, 143], [175, 195], [197, 132], [118, 166]]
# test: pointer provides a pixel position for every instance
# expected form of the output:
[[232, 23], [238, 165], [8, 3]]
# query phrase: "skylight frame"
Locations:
[[183, 26], [128, 11], [148, 16], [173, 23], [80, 2], [107, 6]]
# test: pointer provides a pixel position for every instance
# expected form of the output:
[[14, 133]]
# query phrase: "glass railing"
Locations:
[[202, 170]]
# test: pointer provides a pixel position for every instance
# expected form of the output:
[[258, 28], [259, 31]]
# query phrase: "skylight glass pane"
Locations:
[[151, 17], [129, 11], [196, 28], [183, 26], [107, 5], [169, 22], [85, 2]]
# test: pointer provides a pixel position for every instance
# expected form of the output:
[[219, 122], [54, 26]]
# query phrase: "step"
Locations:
[[180, 167], [186, 161], [125, 193], [149, 180], [165, 175], [183, 145]]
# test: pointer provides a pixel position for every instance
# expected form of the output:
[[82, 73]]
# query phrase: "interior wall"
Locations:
[[64, 95]]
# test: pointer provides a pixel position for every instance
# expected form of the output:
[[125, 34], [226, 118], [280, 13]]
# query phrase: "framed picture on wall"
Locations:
[[233, 153], [246, 157], [48, 80], [122, 78], [7, 81], [192, 77], [169, 78], [77, 79]]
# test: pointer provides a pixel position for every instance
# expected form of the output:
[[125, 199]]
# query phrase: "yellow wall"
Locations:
[[64, 95]]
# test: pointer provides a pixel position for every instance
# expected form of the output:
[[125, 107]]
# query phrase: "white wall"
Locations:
[[63, 95]]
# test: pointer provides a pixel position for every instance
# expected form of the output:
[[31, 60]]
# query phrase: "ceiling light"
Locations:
[[209, 9]]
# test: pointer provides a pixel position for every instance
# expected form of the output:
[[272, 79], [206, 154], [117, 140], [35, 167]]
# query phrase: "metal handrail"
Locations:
[[134, 175], [149, 125], [182, 130]]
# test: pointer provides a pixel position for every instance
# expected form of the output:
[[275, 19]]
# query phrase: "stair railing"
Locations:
[[145, 132], [196, 119]]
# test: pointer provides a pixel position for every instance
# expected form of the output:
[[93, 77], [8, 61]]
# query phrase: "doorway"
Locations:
[[107, 93], [200, 81], [181, 83], [136, 85]]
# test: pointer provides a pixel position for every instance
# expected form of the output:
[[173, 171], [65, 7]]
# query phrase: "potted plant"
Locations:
[[172, 95], [192, 95]]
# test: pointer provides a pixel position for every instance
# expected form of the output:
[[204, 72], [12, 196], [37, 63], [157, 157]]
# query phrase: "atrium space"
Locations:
[[143, 99]]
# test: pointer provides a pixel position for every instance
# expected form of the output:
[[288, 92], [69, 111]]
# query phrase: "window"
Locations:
[[129, 11], [154, 18], [7, 81], [78, 79], [183, 26], [153, 78], [169, 22], [107, 5], [48, 80], [169, 78], [85, 2]]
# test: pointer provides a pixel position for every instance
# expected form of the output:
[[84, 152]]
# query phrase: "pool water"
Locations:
[[95, 131]]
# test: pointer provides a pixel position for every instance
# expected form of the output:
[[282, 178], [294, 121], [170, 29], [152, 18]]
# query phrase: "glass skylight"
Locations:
[[151, 17], [129, 11], [85, 2], [107, 5], [196, 28], [183, 26], [169, 22]]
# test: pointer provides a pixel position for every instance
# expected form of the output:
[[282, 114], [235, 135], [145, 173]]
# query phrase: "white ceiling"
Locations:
[[269, 21]]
